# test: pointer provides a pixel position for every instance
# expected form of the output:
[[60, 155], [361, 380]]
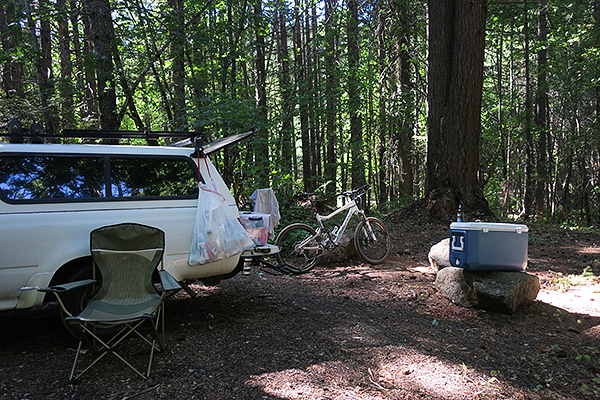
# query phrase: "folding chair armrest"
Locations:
[[67, 286], [167, 281]]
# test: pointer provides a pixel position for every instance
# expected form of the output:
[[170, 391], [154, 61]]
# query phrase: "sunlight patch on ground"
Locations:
[[423, 269], [329, 380], [404, 369], [576, 299], [437, 378]]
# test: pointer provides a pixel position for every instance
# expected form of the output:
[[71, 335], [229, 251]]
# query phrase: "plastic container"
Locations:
[[257, 226], [481, 246]]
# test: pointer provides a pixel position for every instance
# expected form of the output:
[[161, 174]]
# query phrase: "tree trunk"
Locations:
[[541, 117], [85, 75], [406, 124], [287, 135], [66, 67], [529, 151], [384, 87], [332, 96], [177, 34], [103, 36], [354, 102], [456, 43], [301, 86], [11, 71], [43, 70], [261, 146]]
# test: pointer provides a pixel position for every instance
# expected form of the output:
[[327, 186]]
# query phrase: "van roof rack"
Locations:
[[37, 134]]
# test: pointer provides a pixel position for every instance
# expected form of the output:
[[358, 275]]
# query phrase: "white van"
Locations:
[[53, 195]]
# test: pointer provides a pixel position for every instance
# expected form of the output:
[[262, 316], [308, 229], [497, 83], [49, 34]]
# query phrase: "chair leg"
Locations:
[[110, 345], [76, 356]]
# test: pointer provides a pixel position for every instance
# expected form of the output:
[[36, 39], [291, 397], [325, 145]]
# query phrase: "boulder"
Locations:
[[439, 255], [501, 291], [453, 285]]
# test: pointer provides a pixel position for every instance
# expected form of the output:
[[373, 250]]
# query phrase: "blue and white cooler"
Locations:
[[482, 246]]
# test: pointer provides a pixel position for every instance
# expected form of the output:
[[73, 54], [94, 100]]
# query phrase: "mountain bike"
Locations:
[[301, 245]]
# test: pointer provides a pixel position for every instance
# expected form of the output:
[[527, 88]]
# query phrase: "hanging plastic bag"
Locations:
[[217, 233]]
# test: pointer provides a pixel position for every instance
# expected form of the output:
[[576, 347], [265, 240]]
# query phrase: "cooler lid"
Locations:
[[489, 227]]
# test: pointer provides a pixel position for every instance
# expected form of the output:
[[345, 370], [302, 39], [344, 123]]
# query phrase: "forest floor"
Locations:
[[344, 332]]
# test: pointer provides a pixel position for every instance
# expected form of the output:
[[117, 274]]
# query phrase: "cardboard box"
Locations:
[[481, 246], [257, 226]]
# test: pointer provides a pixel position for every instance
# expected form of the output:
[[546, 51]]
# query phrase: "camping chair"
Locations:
[[127, 256]]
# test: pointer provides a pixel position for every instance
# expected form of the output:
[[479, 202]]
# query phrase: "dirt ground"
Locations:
[[343, 332]]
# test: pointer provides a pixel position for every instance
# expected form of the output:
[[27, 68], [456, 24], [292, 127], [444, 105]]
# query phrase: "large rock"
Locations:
[[502, 291], [345, 250], [439, 255]]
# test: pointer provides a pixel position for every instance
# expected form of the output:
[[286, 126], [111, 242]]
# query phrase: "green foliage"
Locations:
[[220, 78], [587, 277]]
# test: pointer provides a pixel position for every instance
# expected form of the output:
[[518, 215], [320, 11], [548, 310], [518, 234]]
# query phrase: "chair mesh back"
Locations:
[[127, 255]]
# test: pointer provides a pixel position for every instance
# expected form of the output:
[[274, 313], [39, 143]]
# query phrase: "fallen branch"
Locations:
[[142, 392], [372, 379]]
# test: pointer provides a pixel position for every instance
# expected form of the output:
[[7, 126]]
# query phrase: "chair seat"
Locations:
[[102, 311]]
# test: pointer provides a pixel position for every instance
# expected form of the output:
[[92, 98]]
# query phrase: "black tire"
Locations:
[[372, 251], [298, 259]]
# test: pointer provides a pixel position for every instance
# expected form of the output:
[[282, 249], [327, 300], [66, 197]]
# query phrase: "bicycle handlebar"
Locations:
[[356, 192]]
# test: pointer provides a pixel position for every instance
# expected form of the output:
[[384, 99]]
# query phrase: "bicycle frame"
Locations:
[[352, 209]]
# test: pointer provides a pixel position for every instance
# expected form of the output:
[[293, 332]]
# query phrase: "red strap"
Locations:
[[206, 163]]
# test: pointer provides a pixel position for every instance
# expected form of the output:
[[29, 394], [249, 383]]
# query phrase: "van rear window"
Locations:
[[151, 177], [84, 178]]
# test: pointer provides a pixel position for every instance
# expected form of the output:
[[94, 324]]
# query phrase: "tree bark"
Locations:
[[354, 102], [406, 121], [103, 36], [287, 134], [528, 196], [384, 87], [301, 87], [332, 97], [42, 64], [66, 67], [85, 75], [541, 117], [177, 34], [262, 146], [456, 46], [12, 71]]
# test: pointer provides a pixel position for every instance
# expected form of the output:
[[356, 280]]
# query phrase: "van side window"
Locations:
[[60, 178], [152, 177], [51, 177]]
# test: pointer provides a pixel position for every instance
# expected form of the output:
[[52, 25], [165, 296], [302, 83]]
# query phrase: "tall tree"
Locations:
[[41, 65], [11, 69], [303, 104], [455, 82], [262, 147], [354, 100], [177, 33], [287, 134], [331, 96], [528, 196], [404, 121], [103, 37], [541, 115], [66, 67]]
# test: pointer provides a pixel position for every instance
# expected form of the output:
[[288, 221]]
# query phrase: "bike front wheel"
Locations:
[[298, 248], [372, 240]]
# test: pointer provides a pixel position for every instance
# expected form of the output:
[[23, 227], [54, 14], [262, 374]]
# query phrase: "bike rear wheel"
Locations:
[[298, 248], [372, 248]]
